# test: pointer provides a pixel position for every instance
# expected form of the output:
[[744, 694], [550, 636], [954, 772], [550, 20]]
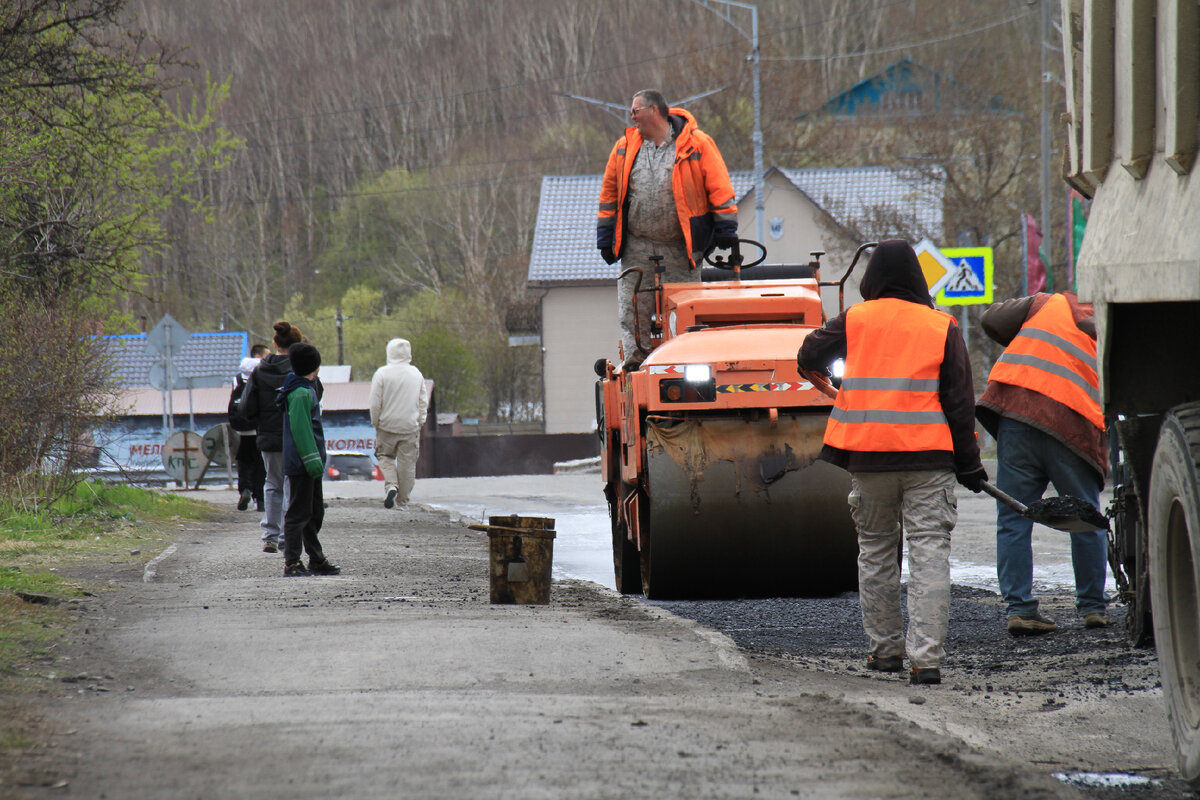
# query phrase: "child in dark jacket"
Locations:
[[303, 464]]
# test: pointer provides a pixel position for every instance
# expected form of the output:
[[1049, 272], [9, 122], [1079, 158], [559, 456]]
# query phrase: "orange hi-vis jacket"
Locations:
[[1052, 357], [699, 180], [889, 399]]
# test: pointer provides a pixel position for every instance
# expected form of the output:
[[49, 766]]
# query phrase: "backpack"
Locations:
[[236, 419]]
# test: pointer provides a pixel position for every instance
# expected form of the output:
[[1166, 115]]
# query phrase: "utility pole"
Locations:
[[1047, 238], [757, 138], [339, 319]]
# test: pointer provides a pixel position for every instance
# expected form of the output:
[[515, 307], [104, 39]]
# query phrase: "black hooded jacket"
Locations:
[[258, 401], [893, 271]]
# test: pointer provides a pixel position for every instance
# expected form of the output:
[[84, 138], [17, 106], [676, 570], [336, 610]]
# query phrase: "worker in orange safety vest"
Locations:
[[666, 192], [903, 426], [1042, 403]]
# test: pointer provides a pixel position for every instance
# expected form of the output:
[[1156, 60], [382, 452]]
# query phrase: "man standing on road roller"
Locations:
[[903, 426], [1042, 403], [667, 193], [399, 405]]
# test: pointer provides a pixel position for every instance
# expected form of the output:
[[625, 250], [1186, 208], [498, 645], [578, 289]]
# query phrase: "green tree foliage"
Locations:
[[438, 247], [381, 237], [91, 155], [446, 347]]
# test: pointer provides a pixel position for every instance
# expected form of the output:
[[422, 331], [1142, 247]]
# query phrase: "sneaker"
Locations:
[[1030, 625], [270, 547], [1096, 619], [928, 675], [390, 500], [244, 500], [297, 570], [323, 567], [884, 663]]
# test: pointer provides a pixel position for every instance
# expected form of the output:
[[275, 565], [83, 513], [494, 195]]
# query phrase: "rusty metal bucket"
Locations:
[[521, 553]]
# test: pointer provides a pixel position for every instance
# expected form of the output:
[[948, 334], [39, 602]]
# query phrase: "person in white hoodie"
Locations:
[[399, 404]]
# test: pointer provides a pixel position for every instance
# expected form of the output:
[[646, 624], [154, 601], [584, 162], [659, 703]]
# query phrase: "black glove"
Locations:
[[608, 255], [726, 241], [974, 479]]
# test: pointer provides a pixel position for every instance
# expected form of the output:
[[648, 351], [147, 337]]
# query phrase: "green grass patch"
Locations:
[[40, 552], [40, 549]]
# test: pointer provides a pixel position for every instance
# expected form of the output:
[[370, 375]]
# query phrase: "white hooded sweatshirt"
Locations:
[[399, 399]]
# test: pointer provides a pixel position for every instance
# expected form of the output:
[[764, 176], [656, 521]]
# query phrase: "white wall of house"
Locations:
[[579, 325], [800, 233]]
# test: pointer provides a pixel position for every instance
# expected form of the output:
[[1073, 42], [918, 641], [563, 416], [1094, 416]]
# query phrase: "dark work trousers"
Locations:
[[303, 518], [251, 472]]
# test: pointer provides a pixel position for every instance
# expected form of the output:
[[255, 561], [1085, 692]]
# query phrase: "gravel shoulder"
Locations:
[[221, 678]]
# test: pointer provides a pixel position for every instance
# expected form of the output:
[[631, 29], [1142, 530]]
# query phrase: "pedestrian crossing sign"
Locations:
[[970, 280]]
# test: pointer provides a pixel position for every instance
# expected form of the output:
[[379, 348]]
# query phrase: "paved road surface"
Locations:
[[583, 548], [209, 675]]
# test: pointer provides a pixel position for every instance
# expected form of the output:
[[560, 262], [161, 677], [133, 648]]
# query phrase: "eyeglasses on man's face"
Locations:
[[633, 112]]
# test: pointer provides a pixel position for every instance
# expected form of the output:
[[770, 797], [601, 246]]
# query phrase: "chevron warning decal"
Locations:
[[785, 386]]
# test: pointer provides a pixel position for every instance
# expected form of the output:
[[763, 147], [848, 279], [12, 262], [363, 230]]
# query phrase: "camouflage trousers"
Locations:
[[923, 503], [636, 252]]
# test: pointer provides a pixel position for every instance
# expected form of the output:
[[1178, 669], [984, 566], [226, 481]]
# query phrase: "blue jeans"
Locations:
[[1027, 461]]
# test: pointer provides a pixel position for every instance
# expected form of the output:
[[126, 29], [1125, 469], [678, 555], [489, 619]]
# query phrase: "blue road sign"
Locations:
[[971, 281]]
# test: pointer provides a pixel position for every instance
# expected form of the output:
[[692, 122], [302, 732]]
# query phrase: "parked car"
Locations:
[[343, 465]]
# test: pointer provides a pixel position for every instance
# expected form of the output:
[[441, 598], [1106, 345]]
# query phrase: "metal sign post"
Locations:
[[167, 339]]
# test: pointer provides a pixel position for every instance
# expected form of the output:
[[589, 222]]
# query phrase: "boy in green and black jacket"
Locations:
[[303, 464]]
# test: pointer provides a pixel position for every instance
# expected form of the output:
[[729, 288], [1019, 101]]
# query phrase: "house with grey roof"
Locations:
[[831, 210], [203, 355]]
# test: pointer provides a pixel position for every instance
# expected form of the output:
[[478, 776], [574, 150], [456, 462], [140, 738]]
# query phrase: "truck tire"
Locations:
[[1174, 543]]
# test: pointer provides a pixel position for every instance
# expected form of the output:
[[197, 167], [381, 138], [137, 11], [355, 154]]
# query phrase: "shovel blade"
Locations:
[[1067, 513]]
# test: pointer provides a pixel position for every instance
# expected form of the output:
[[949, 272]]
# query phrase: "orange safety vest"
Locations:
[[1052, 357], [889, 399]]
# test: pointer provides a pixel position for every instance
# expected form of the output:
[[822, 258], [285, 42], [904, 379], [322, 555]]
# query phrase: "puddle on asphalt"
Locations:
[[1106, 780]]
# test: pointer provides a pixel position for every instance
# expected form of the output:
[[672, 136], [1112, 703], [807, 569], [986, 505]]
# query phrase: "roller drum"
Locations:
[[741, 508]]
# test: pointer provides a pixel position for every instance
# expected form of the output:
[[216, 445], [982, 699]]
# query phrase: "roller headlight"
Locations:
[[696, 386]]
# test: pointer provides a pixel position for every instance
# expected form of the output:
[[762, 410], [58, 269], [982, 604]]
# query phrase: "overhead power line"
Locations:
[[908, 45]]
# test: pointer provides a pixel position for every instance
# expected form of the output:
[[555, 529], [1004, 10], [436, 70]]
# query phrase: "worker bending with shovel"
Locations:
[[1042, 403], [903, 426]]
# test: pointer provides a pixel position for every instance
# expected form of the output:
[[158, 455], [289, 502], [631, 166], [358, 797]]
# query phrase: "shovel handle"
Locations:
[[1008, 500]]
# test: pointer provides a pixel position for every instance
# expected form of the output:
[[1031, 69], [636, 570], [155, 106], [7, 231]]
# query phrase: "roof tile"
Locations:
[[203, 355]]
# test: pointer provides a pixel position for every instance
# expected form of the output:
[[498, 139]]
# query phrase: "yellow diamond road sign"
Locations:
[[938, 269]]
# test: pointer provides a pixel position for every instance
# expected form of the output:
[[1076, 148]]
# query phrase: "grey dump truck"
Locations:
[[1132, 76]]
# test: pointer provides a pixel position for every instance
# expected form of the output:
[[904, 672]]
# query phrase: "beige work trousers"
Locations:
[[924, 503], [397, 456], [636, 252]]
